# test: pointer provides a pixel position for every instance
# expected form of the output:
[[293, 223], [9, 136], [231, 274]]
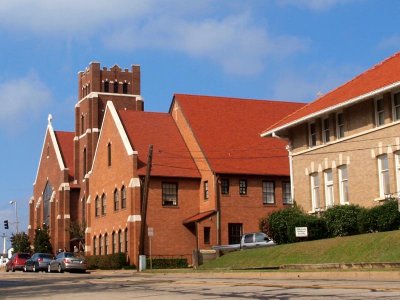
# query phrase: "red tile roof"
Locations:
[[171, 157], [65, 142], [381, 75], [228, 131]]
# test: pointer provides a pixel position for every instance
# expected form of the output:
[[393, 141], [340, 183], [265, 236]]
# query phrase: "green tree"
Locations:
[[20, 242], [77, 232], [42, 242]]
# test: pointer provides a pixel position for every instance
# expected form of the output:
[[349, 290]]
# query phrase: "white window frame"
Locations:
[[343, 185], [287, 193], [396, 108], [311, 142], [325, 131], [315, 199], [383, 174], [379, 114], [339, 126], [329, 189]]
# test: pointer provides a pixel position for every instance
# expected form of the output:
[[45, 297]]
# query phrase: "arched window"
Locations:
[[84, 162], [116, 200], [101, 245], [106, 87], [114, 242], [48, 191], [106, 244], [94, 245], [109, 154], [97, 207], [116, 86], [120, 241], [123, 197], [103, 204], [125, 88], [126, 240]]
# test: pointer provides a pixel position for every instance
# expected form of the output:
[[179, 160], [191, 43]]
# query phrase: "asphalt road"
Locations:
[[112, 285]]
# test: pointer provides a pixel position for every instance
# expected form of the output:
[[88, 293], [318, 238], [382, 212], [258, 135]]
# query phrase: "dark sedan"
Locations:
[[38, 262]]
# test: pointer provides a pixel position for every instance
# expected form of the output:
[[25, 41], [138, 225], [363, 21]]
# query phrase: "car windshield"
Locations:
[[68, 254], [24, 255]]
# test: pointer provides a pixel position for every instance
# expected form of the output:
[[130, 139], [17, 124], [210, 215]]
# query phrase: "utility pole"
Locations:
[[145, 195], [4, 245]]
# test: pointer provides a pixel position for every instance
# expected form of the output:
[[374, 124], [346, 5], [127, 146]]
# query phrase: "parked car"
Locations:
[[17, 261], [38, 262], [67, 261], [248, 240]]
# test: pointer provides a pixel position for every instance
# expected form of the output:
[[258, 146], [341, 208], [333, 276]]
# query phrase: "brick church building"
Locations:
[[212, 176]]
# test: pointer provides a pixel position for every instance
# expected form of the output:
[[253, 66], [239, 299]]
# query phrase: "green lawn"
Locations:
[[372, 247]]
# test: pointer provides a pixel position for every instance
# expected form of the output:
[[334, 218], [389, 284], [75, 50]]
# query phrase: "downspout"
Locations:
[[289, 149]]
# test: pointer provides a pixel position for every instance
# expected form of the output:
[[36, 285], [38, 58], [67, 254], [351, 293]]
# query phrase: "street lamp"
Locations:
[[16, 213]]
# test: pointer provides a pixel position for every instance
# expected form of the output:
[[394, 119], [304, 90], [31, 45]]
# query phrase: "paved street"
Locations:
[[131, 285]]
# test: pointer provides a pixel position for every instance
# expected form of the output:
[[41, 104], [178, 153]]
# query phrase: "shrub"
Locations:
[[106, 262], [281, 225], [384, 217], [167, 263], [342, 220]]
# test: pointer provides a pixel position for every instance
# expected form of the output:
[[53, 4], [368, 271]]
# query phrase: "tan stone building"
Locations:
[[345, 146]]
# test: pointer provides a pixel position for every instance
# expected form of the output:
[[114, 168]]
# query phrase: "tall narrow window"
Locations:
[[125, 88], [120, 241], [126, 240], [123, 197], [343, 185], [329, 198], [206, 235], [84, 163], [83, 210], [340, 125], [396, 107], [268, 190], [114, 242], [205, 190], [224, 186], [101, 245], [169, 194], [242, 187], [47, 193], [94, 246], [315, 191], [379, 112], [384, 180], [82, 124], [116, 200], [106, 87], [313, 135], [115, 86], [287, 193], [325, 130], [103, 204], [106, 246], [97, 206], [109, 154]]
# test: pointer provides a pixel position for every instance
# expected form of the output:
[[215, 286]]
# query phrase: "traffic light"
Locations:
[[5, 224]]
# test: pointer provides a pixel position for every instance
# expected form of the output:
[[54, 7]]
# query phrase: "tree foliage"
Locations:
[[77, 232], [20, 242], [42, 242]]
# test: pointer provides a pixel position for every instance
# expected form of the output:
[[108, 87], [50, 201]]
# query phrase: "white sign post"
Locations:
[[301, 231], [150, 234]]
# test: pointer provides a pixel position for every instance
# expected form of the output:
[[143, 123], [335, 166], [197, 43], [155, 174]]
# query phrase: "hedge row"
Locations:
[[107, 262], [336, 221], [167, 263]]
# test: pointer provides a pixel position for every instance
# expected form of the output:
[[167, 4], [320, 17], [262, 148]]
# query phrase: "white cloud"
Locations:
[[21, 100], [308, 84], [317, 5]]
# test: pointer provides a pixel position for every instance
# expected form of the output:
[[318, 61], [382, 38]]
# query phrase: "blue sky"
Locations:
[[263, 49]]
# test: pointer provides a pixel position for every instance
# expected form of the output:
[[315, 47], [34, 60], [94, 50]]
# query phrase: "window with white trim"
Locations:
[[343, 185], [397, 166], [379, 112], [329, 196], [325, 130], [205, 190], [340, 125], [312, 134], [396, 107], [268, 189], [169, 194], [287, 193], [315, 191], [383, 173]]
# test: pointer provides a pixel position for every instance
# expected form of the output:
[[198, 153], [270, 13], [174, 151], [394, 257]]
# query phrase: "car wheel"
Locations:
[[25, 269], [7, 269], [12, 269], [48, 269], [60, 270], [34, 268]]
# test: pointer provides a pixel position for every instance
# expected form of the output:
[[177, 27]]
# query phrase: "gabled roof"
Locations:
[[65, 140], [228, 131], [380, 78], [171, 158]]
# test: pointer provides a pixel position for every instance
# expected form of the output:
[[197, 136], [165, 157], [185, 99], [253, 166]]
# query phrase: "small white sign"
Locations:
[[301, 232], [150, 231]]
